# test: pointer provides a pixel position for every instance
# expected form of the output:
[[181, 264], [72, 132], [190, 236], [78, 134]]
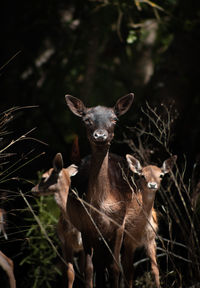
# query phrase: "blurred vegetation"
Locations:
[[41, 258], [89, 49], [98, 51]]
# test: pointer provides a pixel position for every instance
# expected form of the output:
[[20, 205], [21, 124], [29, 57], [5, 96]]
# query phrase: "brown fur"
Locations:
[[141, 219], [5, 262], [102, 192], [7, 265], [57, 181]]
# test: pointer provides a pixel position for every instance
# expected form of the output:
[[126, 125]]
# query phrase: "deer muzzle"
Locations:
[[100, 135], [152, 185]]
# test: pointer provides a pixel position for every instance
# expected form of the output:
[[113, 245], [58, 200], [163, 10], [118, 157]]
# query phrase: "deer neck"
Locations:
[[148, 197], [99, 184], [63, 190]]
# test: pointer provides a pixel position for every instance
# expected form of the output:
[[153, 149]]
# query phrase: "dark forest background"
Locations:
[[97, 51]]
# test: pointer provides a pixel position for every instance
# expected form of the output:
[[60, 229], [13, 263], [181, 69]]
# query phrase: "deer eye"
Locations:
[[88, 121], [161, 176]]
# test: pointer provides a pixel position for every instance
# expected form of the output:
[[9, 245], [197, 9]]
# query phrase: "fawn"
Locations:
[[57, 181], [141, 219]]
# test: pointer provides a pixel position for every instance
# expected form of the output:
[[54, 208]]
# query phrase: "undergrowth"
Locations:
[[177, 202], [40, 258]]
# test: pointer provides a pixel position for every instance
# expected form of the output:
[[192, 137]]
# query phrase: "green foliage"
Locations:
[[131, 37], [41, 258], [145, 281]]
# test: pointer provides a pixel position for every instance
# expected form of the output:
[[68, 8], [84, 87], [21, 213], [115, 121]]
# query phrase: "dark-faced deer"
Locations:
[[57, 181], [141, 219], [105, 190]]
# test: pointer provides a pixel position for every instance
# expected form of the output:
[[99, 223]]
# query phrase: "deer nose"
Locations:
[[100, 135], [152, 185]]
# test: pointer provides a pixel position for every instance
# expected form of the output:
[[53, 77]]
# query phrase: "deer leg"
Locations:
[[67, 252], [127, 264], [81, 261], [7, 264], [115, 267], [68, 257], [100, 260], [89, 270], [100, 276], [151, 252], [70, 274]]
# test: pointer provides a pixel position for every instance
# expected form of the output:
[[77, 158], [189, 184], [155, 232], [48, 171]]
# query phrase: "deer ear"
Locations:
[[168, 164], [73, 170], [58, 162], [75, 105], [134, 164], [123, 104]]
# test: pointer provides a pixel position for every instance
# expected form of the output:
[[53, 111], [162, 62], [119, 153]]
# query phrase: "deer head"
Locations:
[[52, 179], [152, 175], [99, 121]]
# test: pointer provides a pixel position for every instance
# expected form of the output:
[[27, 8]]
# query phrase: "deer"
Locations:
[[141, 218], [5, 262], [7, 265], [56, 181], [105, 191]]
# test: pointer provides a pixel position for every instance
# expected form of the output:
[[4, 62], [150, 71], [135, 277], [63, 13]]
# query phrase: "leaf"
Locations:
[[131, 37]]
